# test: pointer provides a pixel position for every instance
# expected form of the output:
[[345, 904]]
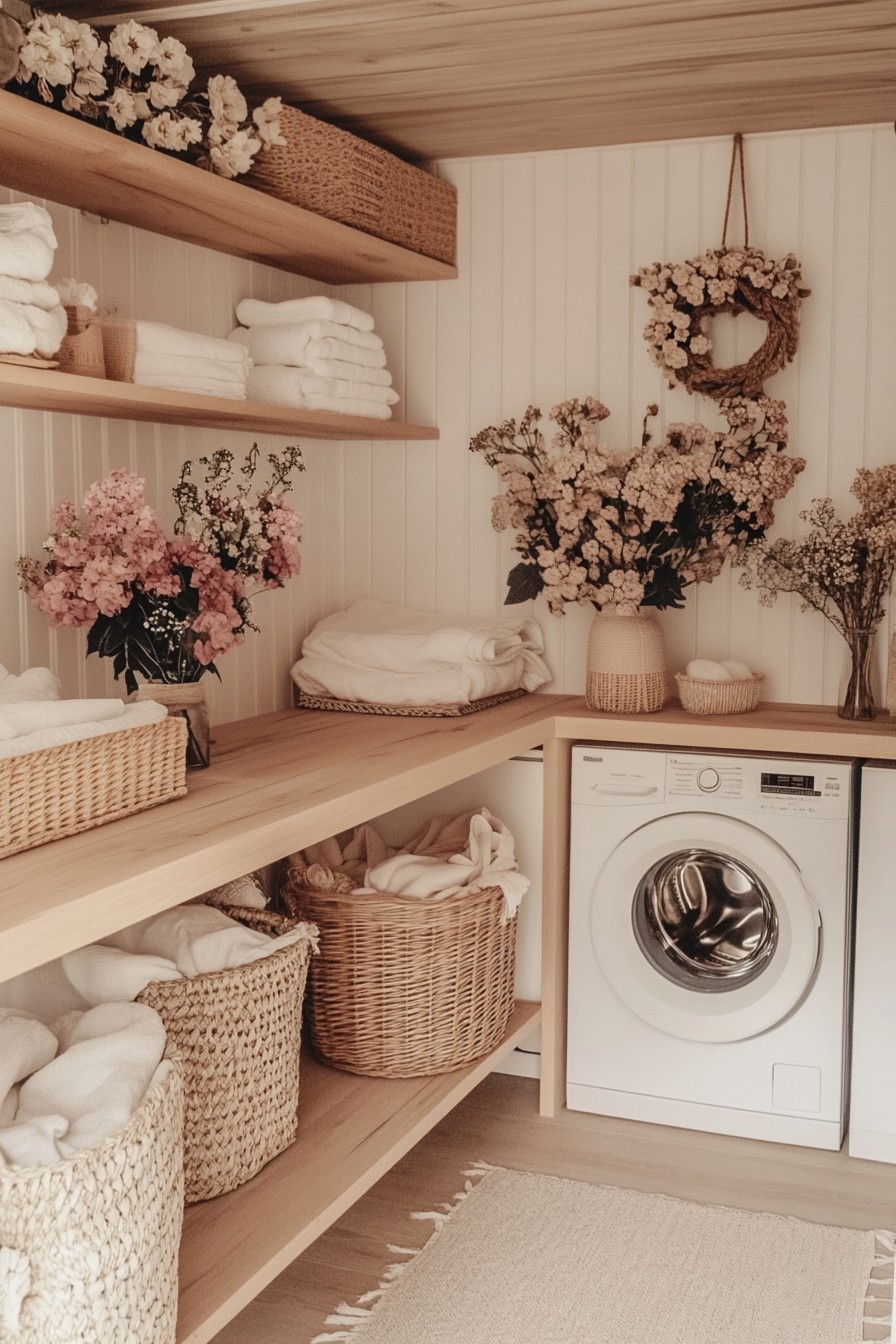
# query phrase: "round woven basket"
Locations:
[[238, 1032], [405, 987], [737, 696], [91, 1243]]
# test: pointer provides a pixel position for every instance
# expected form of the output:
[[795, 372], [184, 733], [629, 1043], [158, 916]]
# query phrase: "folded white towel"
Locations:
[[352, 373], [373, 410], [35, 683], [342, 350], [134, 716], [156, 338], [111, 1055], [35, 292], [16, 719], [228, 388], [453, 686], [284, 385], [26, 329], [148, 364], [27, 241], [288, 344], [256, 313]]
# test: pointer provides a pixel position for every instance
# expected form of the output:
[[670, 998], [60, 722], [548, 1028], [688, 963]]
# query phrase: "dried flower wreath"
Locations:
[[684, 295]]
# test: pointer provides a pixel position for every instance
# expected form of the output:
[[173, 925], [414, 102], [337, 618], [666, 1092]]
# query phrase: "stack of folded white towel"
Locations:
[[34, 718], [317, 353], [184, 361], [380, 653], [32, 318], [77, 1055]]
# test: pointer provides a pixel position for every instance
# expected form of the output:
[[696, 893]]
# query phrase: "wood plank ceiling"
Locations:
[[433, 79]]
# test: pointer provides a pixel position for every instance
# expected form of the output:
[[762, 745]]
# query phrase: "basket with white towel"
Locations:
[[69, 765], [154, 354], [316, 353], [91, 1177], [378, 655], [33, 321], [417, 946]]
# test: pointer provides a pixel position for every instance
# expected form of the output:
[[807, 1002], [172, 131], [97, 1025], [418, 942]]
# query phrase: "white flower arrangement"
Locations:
[[138, 84]]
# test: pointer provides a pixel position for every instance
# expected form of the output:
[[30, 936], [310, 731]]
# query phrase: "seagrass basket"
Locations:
[[405, 987], [333, 173], [238, 1033], [81, 350], [700, 695], [70, 788], [90, 1245]]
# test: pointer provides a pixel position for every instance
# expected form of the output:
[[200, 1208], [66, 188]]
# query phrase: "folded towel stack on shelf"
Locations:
[[155, 355], [317, 353], [32, 318], [384, 654]]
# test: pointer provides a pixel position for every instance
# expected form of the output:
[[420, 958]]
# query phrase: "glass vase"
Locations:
[[626, 671], [188, 699], [858, 702]]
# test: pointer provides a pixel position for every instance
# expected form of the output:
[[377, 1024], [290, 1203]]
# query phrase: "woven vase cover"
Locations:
[[89, 1246], [626, 671]]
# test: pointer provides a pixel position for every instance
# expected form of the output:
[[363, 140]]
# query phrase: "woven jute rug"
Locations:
[[524, 1259]]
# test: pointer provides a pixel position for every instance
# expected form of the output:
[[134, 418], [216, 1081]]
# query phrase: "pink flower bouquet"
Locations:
[[164, 608]]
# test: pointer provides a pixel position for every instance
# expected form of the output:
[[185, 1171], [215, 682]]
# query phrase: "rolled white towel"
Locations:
[[704, 669], [342, 350], [257, 313], [352, 373], [27, 241], [35, 292], [32, 717], [283, 385], [288, 344], [737, 671], [35, 683]]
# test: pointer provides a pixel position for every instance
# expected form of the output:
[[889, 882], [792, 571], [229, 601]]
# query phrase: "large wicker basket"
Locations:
[[335, 174], [90, 1244], [405, 987], [238, 1033], [70, 788]]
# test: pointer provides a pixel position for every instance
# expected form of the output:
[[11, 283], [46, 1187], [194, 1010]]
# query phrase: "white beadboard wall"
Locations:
[[542, 311]]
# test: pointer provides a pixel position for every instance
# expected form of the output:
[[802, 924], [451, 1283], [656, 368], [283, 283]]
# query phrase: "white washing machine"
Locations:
[[709, 928]]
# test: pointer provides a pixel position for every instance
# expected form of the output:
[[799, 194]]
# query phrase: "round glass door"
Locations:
[[705, 920]]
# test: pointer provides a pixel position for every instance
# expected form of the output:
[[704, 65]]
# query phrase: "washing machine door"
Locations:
[[703, 927]]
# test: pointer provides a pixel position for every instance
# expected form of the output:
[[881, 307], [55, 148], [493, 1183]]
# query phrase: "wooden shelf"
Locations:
[[47, 153], [351, 1131], [49, 390]]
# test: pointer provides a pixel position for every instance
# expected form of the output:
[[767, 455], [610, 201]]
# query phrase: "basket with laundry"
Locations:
[[378, 657], [415, 974], [69, 765], [224, 978]]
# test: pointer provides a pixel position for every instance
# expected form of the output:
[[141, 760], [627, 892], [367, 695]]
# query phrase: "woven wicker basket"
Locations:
[[81, 350], [238, 1033], [403, 987], [119, 337], [93, 1240], [73, 787], [737, 696], [332, 173]]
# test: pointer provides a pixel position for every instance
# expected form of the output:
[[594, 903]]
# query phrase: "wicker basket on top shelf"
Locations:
[[335, 174]]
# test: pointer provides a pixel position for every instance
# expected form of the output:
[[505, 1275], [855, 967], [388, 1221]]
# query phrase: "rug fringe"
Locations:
[[352, 1317], [877, 1322]]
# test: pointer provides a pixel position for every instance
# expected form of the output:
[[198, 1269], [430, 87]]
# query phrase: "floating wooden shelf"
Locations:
[[48, 153], [49, 390]]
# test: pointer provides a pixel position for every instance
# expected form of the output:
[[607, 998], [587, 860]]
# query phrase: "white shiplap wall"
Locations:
[[542, 311]]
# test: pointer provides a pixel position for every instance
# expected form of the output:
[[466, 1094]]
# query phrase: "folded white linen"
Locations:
[[192, 366], [288, 344], [452, 686], [227, 388], [20, 718], [103, 974], [27, 241], [376, 634], [285, 385], [451, 855], [111, 1056], [35, 683], [257, 313], [26, 329], [156, 338], [329, 348], [341, 368], [26, 1045], [373, 410], [134, 716], [197, 939], [36, 292]]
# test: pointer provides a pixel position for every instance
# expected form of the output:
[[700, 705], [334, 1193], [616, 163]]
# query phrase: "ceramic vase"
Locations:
[[626, 672], [188, 699]]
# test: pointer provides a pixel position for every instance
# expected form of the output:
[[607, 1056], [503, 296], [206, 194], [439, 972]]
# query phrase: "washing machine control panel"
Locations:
[[803, 788]]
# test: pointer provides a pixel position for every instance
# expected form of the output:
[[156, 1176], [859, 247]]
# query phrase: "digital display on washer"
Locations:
[[786, 783]]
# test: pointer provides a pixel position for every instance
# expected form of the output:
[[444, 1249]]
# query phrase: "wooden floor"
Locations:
[[499, 1123]]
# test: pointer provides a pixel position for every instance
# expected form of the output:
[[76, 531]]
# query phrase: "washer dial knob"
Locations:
[[708, 780]]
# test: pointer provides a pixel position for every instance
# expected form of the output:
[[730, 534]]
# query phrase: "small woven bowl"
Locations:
[[737, 696]]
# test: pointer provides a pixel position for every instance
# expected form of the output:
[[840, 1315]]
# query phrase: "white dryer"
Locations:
[[709, 927]]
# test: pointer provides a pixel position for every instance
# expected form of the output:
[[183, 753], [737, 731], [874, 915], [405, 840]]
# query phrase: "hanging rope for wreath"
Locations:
[[685, 295]]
